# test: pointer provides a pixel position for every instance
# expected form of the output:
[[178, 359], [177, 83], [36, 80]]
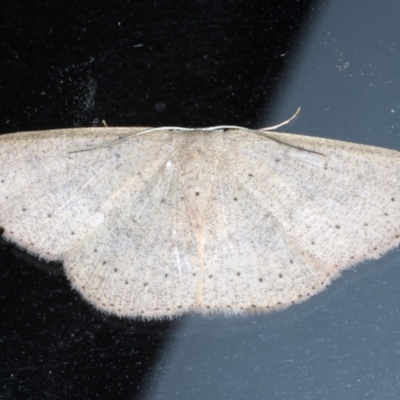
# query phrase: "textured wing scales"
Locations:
[[167, 222]]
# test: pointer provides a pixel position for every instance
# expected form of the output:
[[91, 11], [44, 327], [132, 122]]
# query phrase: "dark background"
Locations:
[[201, 63]]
